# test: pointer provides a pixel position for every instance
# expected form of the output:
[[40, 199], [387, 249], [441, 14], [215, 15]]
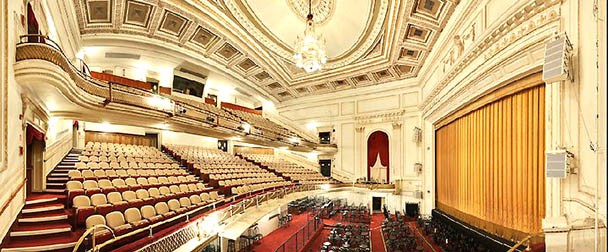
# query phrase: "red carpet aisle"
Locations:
[[318, 241], [421, 240], [273, 240], [376, 237]]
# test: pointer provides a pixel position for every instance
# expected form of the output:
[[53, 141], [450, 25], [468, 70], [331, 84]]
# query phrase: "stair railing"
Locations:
[[516, 246], [92, 231]]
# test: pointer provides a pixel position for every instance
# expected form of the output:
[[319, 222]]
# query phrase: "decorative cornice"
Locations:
[[392, 117], [532, 16]]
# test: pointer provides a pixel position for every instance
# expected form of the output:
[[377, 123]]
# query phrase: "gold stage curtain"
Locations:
[[490, 164]]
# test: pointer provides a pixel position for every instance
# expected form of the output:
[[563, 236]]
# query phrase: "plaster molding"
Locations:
[[521, 22]]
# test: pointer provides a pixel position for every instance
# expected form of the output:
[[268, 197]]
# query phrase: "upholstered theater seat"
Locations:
[[101, 233], [115, 198], [116, 221], [100, 202], [143, 195], [74, 188], [163, 209], [134, 218], [131, 198], [175, 206], [83, 209], [149, 213]]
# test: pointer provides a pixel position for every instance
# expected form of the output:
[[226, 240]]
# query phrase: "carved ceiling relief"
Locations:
[[321, 9], [417, 24]]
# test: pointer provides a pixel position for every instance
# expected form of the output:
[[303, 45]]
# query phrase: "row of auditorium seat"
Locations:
[[86, 159], [240, 190], [103, 203], [116, 165], [294, 171], [226, 169], [89, 187], [134, 218], [251, 181], [122, 173]]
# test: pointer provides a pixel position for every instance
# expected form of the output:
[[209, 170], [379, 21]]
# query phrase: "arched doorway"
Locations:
[[378, 157], [35, 144]]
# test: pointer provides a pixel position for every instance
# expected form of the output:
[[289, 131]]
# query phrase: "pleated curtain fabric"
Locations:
[[490, 165]]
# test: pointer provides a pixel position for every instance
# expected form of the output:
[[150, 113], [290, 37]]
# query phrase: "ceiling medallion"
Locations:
[[310, 48], [321, 9]]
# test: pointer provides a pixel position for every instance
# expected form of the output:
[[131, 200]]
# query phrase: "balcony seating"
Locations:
[[287, 169], [226, 171]]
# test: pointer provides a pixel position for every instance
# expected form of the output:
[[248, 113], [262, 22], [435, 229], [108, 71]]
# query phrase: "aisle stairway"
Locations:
[[55, 182], [44, 222]]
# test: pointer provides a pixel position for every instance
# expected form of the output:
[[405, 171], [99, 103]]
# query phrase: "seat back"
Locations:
[[161, 208], [90, 184], [185, 202], [195, 199], [114, 197], [174, 204], [118, 182], [142, 194], [73, 185], [129, 195], [132, 215], [81, 201], [147, 211], [98, 199], [154, 192], [205, 197], [95, 220], [115, 219], [104, 183]]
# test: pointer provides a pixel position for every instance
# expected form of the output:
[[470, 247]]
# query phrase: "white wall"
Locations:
[[354, 117], [58, 143], [172, 137], [114, 128], [12, 163]]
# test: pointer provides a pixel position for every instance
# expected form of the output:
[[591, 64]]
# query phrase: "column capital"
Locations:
[[397, 125], [359, 129]]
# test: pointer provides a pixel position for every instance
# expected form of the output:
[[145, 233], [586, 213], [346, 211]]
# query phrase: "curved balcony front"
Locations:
[[50, 79]]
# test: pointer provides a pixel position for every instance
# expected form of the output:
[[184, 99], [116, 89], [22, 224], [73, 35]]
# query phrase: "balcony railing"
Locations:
[[40, 47]]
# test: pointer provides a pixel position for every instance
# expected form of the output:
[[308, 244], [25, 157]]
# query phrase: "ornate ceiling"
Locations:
[[369, 42]]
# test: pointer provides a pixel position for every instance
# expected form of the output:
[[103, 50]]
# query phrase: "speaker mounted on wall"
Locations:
[[417, 135], [557, 65]]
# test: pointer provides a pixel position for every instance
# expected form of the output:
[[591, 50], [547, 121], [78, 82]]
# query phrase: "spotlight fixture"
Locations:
[[181, 110]]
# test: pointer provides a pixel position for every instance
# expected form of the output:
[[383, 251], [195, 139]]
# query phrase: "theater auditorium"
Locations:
[[303, 125]]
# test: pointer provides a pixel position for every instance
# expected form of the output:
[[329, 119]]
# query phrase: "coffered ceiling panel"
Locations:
[[368, 42]]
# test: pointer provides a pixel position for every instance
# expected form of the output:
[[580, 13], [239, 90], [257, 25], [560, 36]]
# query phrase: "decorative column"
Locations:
[[555, 224], [396, 155], [360, 152], [428, 168]]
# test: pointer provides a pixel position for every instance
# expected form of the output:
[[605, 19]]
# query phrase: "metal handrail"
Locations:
[[222, 215], [92, 230], [514, 247]]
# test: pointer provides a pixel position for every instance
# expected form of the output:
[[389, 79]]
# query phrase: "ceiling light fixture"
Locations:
[[310, 49]]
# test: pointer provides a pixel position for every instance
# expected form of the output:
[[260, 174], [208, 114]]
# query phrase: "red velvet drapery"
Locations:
[[33, 133], [377, 143]]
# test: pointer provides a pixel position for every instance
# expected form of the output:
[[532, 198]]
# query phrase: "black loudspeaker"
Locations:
[[222, 145], [325, 167], [411, 209]]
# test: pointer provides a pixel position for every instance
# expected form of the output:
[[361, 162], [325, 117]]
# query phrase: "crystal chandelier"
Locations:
[[310, 49]]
